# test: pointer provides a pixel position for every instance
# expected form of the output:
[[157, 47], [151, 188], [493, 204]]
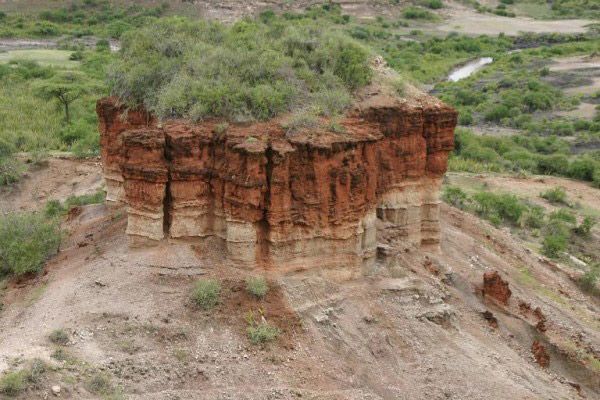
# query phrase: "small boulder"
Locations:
[[495, 287]]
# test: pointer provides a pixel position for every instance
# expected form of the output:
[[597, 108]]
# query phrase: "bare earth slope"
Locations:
[[413, 327]]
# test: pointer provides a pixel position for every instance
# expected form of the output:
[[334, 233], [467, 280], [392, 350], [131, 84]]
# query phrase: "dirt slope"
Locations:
[[414, 327]]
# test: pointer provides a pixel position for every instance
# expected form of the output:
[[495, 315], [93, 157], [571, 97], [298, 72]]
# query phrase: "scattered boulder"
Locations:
[[495, 287], [490, 318], [540, 354]]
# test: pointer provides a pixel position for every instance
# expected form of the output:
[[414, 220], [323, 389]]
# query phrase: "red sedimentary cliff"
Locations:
[[286, 200]]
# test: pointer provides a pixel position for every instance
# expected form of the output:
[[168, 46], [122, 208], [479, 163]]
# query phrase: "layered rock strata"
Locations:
[[287, 200]]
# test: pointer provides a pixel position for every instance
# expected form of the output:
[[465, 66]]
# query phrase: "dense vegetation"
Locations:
[[80, 18], [555, 230], [521, 153], [250, 70]]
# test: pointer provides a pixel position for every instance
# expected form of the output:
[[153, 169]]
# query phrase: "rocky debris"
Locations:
[[541, 324], [274, 199], [490, 318], [441, 314], [540, 354], [495, 287], [56, 390]]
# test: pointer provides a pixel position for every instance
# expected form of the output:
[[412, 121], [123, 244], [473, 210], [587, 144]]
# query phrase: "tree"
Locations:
[[66, 87]]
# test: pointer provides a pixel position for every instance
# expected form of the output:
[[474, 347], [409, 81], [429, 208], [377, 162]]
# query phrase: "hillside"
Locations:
[[300, 200]]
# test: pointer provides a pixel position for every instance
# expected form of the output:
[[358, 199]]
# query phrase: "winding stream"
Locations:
[[469, 68]]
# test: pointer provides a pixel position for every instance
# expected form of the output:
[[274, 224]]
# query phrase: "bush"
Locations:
[[206, 293], [589, 280], [563, 215], [418, 13], [555, 195], [26, 242], [59, 336], [257, 286], [554, 244], [585, 228], [11, 170], [100, 384], [13, 383], [249, 70], [433, 4], [499, 207], [455, 196], [262, 333], [85, 199]]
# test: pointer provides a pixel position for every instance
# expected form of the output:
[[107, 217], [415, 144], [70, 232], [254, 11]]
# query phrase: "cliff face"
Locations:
[[314, 198]]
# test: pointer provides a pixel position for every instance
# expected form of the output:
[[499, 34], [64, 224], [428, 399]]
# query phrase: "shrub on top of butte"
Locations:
[[251, 70]]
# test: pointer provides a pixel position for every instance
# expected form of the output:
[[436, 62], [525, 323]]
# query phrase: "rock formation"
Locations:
[[286, 200], [495, 287]]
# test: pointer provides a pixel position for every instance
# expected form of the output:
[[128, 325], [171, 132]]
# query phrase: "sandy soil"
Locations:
[[55, 179], [583, 110], [410, 328], [466, 20]]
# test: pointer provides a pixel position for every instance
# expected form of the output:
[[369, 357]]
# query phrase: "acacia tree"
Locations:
[[65, 87]]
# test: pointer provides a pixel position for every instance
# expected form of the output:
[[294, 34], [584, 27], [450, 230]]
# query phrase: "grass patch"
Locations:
[[59, 336], [15, 382], [556, 195], [100, 384], [257, 286], [27, 240], [45, 57], [206, 293]]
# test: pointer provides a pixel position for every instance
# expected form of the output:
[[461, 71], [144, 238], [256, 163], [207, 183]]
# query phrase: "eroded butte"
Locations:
[[281, 200]]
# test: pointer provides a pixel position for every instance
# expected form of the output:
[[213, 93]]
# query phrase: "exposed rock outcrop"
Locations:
[[293, 201], [495, 287]]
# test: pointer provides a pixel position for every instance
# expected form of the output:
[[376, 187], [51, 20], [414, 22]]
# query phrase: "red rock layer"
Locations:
[[299, 200]]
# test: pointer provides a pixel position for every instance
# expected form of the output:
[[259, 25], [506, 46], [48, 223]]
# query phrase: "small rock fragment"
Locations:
[[56, 390]]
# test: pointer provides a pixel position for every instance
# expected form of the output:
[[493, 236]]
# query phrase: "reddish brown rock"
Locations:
[[291, 201], [495, 287], [540, 354]]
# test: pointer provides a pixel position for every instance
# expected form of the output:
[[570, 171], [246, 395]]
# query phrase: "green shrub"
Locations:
[[589, 280], [85, 199], [533, 217], [583, 169], [465, 118], [553, 244], [553, 165], [433, 4], [11, 170], [585, 228], [499, 207], [563, 215], [206, 293], [249, 70], [455, 196], [556, 237], [257, 286], [418, 13], [497, 113], [555, 195], [100, 384], [26, 242], [13, 383], [262, 333], [59, 336]]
